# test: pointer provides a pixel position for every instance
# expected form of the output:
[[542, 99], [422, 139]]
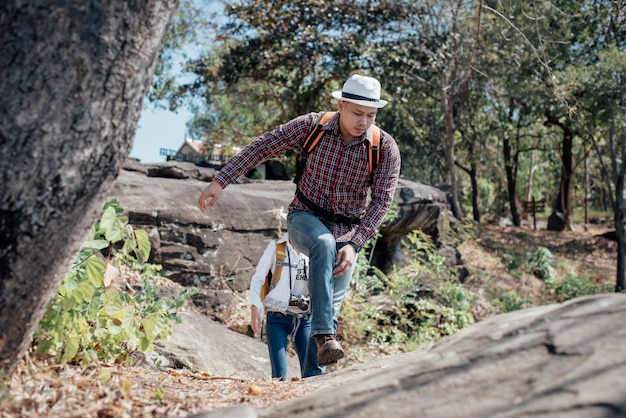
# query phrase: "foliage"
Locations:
[[510, 301], [541, 264], [408, 308], [511, 73], [519, 96], [572, 287], [92, 317]]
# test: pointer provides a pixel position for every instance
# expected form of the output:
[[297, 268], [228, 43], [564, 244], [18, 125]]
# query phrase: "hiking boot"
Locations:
[[328, 349]]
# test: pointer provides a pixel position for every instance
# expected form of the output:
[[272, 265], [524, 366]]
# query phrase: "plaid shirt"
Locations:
[[336, 176]]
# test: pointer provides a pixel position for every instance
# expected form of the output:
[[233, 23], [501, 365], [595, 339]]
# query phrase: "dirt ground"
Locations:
[[497, 259]]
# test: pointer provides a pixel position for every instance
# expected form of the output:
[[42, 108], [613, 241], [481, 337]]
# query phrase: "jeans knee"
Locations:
[[325, 243]]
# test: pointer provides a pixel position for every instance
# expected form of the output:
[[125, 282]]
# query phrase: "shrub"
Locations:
[[418, 304], [572, 287], [90, 318], [541, 264]]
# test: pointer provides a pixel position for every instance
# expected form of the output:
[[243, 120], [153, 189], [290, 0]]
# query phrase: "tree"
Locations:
[[72, 79], [432, 62], [282, 58], [600, 91]]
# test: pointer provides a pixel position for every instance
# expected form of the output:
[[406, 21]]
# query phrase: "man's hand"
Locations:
[[346, 257], [213, 192], [256, 318]]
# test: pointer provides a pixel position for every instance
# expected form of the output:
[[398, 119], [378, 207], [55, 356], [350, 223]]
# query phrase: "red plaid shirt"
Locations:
[[336, 176]]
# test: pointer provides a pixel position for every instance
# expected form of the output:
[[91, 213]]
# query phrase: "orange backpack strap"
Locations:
[[271, 280], [374, 149], [317, 133], [281, 249]]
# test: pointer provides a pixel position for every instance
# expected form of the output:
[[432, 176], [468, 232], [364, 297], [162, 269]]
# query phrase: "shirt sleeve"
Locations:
[[269, 145], [266, 262], [385, 182]]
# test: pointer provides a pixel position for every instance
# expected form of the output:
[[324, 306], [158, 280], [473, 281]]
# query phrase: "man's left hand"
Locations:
[[346, 257]]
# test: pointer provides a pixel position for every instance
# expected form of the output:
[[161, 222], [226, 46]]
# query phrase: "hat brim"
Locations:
[[380, 103]]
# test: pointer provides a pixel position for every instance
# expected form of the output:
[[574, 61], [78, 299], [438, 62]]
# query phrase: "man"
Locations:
[[330, 217]]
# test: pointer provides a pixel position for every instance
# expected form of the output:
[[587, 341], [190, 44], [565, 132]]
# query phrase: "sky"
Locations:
[[158, 129], [162, 128]]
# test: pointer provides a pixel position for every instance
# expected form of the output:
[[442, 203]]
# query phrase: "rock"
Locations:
[[217, 251], [238, 411], [201, 344], [561, 360]]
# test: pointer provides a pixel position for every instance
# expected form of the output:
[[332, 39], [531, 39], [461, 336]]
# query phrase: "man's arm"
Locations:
[[268, 145]]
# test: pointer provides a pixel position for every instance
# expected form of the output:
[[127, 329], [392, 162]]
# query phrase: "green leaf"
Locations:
[[150, 325], [84, 292], [69, 284], [107, 220], [145, 345], [111, 226], [68, 302], [95, 244], [71, 349], [114, 311], [44, 347], [143, 245], [95, 270]]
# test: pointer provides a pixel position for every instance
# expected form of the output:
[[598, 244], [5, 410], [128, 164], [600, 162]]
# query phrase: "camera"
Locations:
[[302, 302]]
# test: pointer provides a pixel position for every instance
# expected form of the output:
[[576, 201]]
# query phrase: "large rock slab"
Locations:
[[217, 251], [562, 360], [201, 344]]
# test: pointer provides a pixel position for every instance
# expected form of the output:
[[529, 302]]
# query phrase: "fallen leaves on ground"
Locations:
[[41, 388]]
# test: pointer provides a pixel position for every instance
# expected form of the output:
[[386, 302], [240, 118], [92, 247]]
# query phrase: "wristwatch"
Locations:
[[357, 248]]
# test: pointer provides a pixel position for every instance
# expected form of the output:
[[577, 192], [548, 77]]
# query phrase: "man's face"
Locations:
[[355, 119]]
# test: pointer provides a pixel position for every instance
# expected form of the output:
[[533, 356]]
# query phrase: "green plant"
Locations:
[[514, 261], [541, 264], [92, 317], [510, 301], [410, 307], [572, 287]]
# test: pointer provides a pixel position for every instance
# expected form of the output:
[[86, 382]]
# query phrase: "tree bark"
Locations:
[[73, 75], [561, 214]]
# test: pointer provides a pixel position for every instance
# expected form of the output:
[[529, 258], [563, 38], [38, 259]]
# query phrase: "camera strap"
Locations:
[[289, 262]]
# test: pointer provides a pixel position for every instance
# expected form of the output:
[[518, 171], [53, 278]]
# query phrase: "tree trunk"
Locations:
[[620, 233], [448, 114], [73, 75], [561, 216], [510, 167], [619, 173]]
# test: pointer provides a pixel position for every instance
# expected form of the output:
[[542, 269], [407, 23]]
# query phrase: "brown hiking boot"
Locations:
[[328, 349]]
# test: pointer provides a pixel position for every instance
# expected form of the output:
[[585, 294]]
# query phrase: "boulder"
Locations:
[[561, 360], [200, 344], [217, 251]]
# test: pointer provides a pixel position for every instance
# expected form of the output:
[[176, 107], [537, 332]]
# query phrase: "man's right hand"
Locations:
[[209, 196]]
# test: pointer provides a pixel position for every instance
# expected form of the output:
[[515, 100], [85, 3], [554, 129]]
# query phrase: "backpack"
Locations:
[[317, 133], [271, 280]]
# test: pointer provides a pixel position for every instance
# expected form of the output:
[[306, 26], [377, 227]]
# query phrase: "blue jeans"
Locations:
[[314, 238], [279, 327]]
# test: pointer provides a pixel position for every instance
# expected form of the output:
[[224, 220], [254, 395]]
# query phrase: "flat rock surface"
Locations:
[[562, 360], [201, 344]]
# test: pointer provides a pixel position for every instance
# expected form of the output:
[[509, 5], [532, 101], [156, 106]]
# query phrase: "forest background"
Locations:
[[504, 102]]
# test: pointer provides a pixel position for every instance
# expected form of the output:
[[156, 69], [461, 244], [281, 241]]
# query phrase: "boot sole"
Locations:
[[330, 357]]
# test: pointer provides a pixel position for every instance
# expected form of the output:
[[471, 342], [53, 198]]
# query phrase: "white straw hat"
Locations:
[[361, 90]]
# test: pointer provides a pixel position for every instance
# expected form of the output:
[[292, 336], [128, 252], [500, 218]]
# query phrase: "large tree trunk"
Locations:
[[73, 75], [560, 218]]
